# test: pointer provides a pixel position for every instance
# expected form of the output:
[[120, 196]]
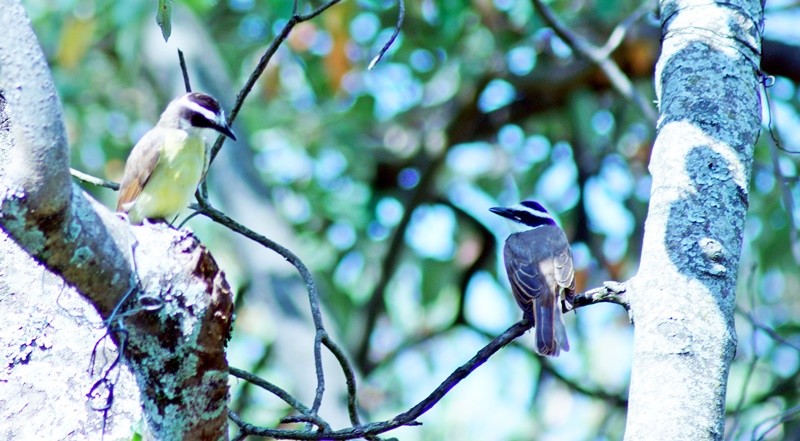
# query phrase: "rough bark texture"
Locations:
[[683, 297], [177, 307], [176, 350], [48, 334]]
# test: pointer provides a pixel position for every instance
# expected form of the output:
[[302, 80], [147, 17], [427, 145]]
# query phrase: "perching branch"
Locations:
[[610, 292], [610, 398], [280, 393]]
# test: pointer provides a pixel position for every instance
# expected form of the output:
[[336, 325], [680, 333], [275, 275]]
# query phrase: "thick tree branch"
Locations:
[[41, 167], [154, 286]]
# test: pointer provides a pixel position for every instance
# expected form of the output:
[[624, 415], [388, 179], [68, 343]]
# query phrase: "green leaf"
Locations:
[[164, 18]]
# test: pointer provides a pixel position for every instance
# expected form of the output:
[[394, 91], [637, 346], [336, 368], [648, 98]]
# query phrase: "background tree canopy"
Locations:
[[380, 181]]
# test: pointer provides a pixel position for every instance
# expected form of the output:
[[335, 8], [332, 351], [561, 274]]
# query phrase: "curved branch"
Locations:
[[598, 56], [263, 62], [280, 393], [206, 209]]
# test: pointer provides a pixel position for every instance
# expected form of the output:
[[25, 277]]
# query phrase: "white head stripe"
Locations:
[[191, 105], [536, 213]]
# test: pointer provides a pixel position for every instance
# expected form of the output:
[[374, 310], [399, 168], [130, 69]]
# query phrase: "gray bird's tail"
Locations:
[[551, 335]]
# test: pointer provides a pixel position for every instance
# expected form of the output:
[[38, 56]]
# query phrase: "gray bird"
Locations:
[[538, 261]]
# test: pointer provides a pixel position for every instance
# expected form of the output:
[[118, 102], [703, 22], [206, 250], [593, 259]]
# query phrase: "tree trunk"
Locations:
[[682, 299]]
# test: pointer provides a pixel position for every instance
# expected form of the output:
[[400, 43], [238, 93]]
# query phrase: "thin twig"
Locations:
[[182, 61], [400, 16], [89, 179], [349, 376], [262, 65], [766, 329], [280, 393], [585, 49], [618, 34]]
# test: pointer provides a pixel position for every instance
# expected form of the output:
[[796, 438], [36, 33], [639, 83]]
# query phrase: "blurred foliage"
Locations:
[[476, 104]]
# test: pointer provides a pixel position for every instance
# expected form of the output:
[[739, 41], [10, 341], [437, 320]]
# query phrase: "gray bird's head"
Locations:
[[196, 110], [526, 215]]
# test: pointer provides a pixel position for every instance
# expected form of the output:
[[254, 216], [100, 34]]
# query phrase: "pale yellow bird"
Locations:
[[164, 168]]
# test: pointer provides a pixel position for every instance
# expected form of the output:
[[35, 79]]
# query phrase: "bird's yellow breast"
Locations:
[[174, 179]]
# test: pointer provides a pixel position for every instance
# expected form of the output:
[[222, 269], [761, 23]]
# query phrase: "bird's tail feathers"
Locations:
[[551, 334]]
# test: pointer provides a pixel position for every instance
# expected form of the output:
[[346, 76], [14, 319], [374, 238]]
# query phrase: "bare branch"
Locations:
[[280, 393], [182, 61], [262, 64], [599, 57], [349, 376], [400, 16], [206, 209], [610, 292], [407, 418], [89, 179]]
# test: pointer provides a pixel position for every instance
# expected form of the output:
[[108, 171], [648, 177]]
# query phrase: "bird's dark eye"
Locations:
[[198, 120]]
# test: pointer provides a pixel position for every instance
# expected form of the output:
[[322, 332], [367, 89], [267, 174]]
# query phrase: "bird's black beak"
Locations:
[[225, 130], [502, 211]]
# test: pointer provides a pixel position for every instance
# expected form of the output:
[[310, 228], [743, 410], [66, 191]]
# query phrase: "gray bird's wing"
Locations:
[[527, 283]]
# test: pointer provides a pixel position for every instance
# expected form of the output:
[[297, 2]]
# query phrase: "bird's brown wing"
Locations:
[[138, 169]]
